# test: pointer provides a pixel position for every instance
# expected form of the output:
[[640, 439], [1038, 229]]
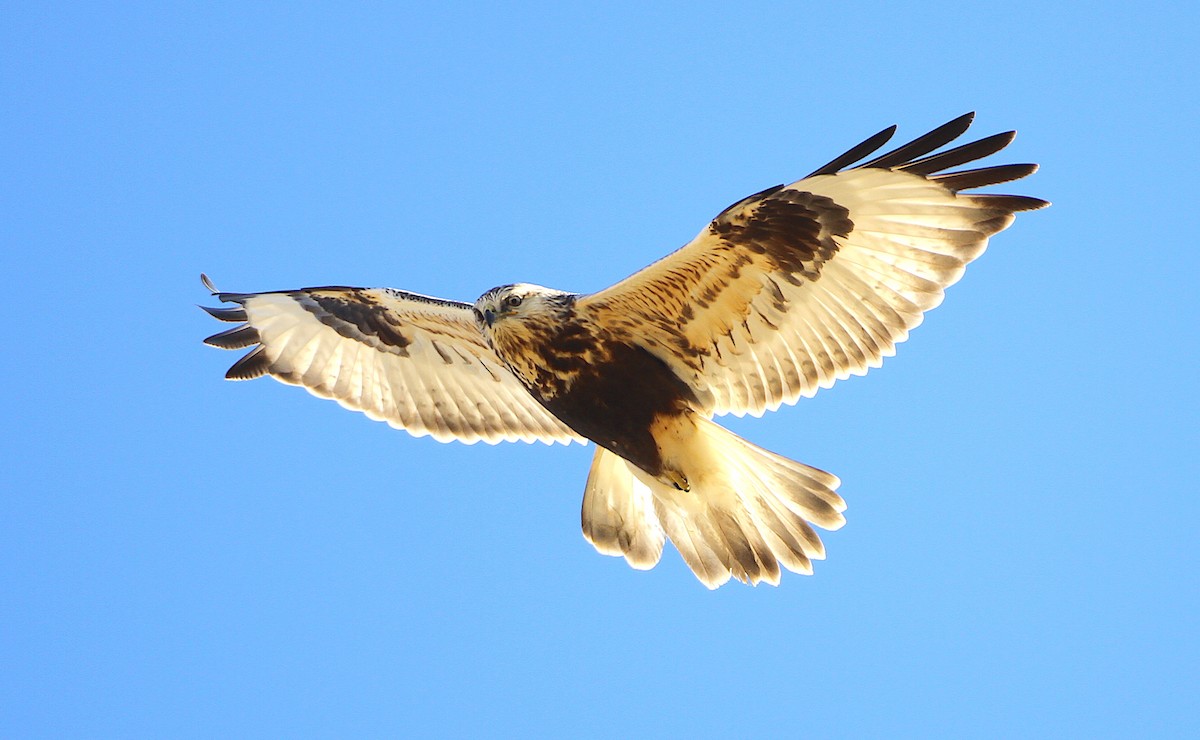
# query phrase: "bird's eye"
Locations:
[[512, 301]]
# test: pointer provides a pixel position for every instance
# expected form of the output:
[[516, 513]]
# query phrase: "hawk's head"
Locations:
[[522, 323], [504, 307]]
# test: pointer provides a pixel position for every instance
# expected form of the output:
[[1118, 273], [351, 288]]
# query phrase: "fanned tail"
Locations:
[[747, 512]]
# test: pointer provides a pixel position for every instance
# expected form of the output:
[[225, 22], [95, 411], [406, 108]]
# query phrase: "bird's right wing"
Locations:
[[416, 362], [801, 285]]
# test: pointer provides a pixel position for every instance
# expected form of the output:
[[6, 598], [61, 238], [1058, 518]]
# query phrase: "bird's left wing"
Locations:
[[416, 362], [798, 286]]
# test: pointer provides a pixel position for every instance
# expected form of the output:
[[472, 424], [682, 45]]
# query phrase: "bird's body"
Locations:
[[604, 388], [782, 294]]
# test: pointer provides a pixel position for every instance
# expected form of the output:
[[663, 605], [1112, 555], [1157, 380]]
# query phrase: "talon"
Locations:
[[678, 480]]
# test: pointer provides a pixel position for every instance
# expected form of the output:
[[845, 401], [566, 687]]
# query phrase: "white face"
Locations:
[[509, 301]]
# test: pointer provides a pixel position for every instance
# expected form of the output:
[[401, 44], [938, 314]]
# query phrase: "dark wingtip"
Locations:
[[225, 314], [1010, 203], [1033, 204], [962, 123], [924, 144], [983, 177], [980, 149], [857, 152], [253, 365], [238, 337]]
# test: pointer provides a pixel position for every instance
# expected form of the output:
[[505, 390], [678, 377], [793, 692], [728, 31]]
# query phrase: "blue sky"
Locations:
[[182, 556]]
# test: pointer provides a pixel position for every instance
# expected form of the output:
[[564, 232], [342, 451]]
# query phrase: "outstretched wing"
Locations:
[[801, 285], [418, 363]]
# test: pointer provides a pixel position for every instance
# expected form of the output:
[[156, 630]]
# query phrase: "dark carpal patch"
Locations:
[[353, 315], [795, 229]]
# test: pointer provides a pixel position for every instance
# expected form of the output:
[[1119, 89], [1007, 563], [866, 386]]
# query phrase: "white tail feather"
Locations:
[[618, 513], [747, 511]]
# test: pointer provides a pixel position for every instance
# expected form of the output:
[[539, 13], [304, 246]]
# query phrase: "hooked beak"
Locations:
[[489, 316]]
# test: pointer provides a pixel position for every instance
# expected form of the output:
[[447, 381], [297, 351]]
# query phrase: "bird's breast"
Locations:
[[610, 392], [547, 359]]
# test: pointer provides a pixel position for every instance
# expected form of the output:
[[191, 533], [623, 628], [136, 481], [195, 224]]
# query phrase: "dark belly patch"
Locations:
[[614, 401]]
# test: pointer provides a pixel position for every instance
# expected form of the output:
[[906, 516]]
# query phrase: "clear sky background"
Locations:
[[183, 556]]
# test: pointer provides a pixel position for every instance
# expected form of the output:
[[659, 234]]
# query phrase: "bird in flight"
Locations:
[[782, 294]]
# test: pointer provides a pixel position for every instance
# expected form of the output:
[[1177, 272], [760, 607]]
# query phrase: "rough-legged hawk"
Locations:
[[782, 294]]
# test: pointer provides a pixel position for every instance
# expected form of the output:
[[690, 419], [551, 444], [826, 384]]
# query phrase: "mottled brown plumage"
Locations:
[[783, 293]]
